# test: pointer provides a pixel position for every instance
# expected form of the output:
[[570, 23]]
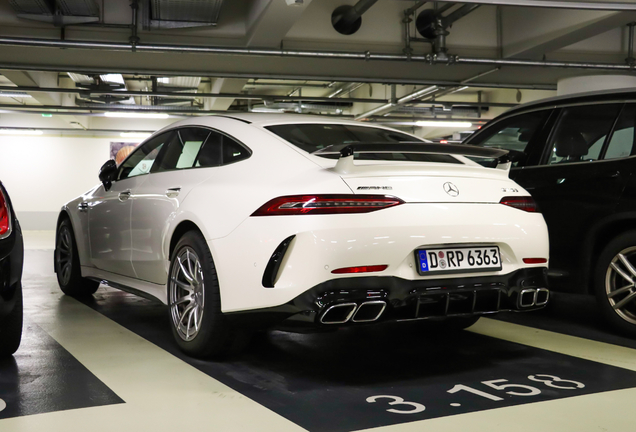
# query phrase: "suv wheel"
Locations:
[[67, 264], [614, 283]]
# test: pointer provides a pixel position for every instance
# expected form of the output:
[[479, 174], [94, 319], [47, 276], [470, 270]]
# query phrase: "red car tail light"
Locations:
[[5, 216], [524, 203], [360, 269], [535, 260], [326, 204]]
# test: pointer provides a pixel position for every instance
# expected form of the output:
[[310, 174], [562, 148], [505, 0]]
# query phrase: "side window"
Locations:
[[143, 158], [182, 150], [581, 132], [622, 142], [220, 150], [513, 133]]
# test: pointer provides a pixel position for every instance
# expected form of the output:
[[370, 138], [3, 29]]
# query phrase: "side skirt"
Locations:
[[134, 286]]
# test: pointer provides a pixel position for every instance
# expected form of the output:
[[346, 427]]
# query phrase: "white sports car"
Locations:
[[304, 222]]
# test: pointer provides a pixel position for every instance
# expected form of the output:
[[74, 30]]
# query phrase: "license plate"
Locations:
[[451, 260]]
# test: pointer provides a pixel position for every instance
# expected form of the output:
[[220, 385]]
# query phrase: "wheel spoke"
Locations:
[[196, 319], [189, 323], [189, 263], [183, 285], [621, 272], [627, 264], [184, 271], [185, 312], [620, 290], [182, 300], [625, 301]]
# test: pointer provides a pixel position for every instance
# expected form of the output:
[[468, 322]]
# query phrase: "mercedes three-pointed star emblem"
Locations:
[[451, 189]]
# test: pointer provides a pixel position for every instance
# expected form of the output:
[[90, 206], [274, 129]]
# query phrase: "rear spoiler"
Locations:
[[347, 151]]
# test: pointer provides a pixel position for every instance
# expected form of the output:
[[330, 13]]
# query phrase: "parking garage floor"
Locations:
[[108, 363]]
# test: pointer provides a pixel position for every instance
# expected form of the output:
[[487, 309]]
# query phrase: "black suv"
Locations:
[[11, 258], [576, 156]]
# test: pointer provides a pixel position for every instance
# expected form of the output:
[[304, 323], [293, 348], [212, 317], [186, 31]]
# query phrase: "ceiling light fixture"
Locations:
[[15, 94], [135, 134], [21, 132], [136, 115], [444, 124]]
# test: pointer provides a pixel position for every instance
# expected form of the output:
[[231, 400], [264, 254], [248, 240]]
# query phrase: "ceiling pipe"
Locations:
[[348, 19], [87, 93], [367, 56], [552, 4]]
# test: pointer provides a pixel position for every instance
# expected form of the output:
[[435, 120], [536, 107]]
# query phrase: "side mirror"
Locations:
[[107, 173]]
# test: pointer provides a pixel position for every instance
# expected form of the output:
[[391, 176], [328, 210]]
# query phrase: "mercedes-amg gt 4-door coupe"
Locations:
[[304, 223]]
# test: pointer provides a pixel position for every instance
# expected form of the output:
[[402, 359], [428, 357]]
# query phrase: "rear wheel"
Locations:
[[11, 326], [614, 283], [67, 264], [194, 300]]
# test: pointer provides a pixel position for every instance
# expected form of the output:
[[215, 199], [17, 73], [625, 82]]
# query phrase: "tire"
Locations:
[[194, 301], [11, 326], [613, 283], [67, 264]]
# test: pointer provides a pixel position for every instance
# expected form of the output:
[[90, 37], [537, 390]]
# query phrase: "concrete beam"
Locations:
[[532, 33], [269, 21]]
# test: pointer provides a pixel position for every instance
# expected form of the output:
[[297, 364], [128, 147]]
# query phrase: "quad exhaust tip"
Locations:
[[533, 297], [343, 312]]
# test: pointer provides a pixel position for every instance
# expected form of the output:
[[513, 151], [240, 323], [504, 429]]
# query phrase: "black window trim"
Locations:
[[176, 129]]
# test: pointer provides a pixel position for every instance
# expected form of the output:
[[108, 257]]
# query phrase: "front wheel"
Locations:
[[67, 264], [194, 300], [614, 282]]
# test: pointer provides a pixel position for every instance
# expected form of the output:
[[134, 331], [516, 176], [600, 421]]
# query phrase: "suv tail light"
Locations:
[[5, 216], [326, 204], [524, 203]]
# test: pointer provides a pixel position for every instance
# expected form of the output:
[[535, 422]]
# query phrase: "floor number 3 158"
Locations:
[[404, 407]]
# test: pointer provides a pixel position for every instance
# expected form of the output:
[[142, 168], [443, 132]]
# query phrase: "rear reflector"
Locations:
[[360, 269], [5, 217], [535, 260], [326, 204], [524, 203]]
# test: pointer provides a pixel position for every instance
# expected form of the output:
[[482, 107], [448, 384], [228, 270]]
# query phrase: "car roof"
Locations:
[[614, 95], [261, 119]]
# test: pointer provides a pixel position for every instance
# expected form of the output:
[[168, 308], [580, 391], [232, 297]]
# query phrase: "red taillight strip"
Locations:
[[326, 204], [535, 260], [360, 269], [524, 203], [5, 216]]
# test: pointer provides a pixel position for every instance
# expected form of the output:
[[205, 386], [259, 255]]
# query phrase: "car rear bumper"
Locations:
[[11, 259], [356, 301]]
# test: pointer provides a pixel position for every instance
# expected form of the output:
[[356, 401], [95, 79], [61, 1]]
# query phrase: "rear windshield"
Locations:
[[316, 136]]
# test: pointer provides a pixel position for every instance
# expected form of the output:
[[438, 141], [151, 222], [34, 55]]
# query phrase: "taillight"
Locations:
[[535, 260], [360, 269], [326, 204], [524, 203], [5, 216]]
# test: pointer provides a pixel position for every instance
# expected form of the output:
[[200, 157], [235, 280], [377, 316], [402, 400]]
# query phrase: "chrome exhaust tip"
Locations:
[[338, 313], [527, 298], [543, 295], [369, 311]]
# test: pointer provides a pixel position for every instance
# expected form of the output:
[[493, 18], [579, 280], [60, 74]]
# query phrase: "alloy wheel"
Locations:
[[620, 283], [187, 294], [65, 255]]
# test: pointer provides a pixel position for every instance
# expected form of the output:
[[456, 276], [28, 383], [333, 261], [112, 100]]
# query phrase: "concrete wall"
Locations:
[[42, 173]]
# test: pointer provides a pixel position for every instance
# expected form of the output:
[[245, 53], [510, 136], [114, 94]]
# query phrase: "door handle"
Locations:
[[83, 206], [123, 196], [173, 192]]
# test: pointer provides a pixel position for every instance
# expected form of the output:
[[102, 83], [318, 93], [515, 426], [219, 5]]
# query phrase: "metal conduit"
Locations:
[[368, 56]]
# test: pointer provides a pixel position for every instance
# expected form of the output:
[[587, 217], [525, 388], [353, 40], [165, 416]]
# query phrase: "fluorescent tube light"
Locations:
[[135, 134], [136, 115], [14, 94], [20, 132], [451, 124]]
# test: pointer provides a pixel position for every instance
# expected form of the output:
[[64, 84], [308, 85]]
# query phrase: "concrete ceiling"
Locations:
[[489, 32]]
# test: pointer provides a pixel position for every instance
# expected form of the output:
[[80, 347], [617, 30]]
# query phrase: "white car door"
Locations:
[[157, 200], [109, 212]]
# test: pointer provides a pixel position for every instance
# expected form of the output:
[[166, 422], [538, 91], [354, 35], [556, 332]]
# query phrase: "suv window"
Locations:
[[182, 150], [312, 137], [581, 132], [220, 150], [513, 133], [622, 142], [143, 158]]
